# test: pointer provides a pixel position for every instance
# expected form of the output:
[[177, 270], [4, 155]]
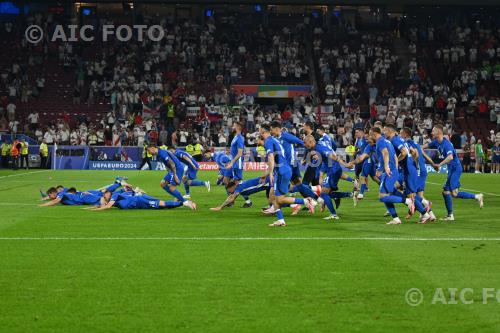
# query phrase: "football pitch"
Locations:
[[64, 269]]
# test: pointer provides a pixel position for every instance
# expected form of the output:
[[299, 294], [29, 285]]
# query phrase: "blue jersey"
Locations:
[[81, 198], [328, 141], [164, 156], [182, 155], [370, 151], [382, 144], [274, 147], [445, 148], [496, 150], [360, 146], [61, 194], [421, 159], [288, 141], [221, 159], [237, 143], [251, 186], [328, 165]]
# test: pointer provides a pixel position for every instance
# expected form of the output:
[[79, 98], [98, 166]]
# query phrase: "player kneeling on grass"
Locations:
[[280, 174], [130, 200], [72, 197], [245, 188]]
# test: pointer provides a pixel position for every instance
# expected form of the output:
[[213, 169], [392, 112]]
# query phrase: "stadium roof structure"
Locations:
[[317, 2]]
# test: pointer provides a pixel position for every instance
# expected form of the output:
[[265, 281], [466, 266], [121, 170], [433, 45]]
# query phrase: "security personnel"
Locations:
[[24, 154], [5, 154], [190, 149], [146, 158], [198, 152], [163, 146], [15, 152], [261, 152], [44, 154]]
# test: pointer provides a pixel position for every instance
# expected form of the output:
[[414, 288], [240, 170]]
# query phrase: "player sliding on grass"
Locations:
[[452, 185], [246, 187], [331, 167], [130, 200], [191, 170], [72, 197], [280, 174]]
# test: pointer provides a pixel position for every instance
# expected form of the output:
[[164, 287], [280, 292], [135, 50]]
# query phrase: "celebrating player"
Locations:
[[129, 200], [246, 188], [280, 174], [388, 167], [172, 179], [452, 185], [331, 167], [191, 169], [365, 159], [237, 150]]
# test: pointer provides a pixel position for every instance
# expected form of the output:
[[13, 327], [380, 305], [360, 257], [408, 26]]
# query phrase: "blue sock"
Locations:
[[113, 187], [298, 201], [392, 199], [466, 195], [350, 179], [172, 204], [186, 188], [339, 195], [307, 192], [246, 197], [419, 206], [219, 181], [391, 209], [279, 214], [448, 201], [363, 188], [197, 183], [328, 202], [175, 193]]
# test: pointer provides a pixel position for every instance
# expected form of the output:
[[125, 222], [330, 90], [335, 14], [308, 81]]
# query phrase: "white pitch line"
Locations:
[[18, 204], [431, 239], [468, 189], [24, 174]]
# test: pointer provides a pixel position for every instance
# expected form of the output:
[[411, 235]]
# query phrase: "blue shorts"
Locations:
[[145, 202], [496, 159], [169, 177], [453, 179], [388, 184], [411, 182], [296, 172], [331, 181], [368, 169], [422, 178], [236, 174], [282, 183], [358, 169], [190, 173]]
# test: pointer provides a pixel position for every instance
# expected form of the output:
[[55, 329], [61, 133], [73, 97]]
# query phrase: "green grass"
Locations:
[[132, 282]]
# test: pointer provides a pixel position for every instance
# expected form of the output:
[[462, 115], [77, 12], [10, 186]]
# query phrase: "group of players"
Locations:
[[391, 159]]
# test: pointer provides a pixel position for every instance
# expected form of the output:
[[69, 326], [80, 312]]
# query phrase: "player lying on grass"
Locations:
[[451, 188], [131, 200], [246, 187], [72, 197]]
